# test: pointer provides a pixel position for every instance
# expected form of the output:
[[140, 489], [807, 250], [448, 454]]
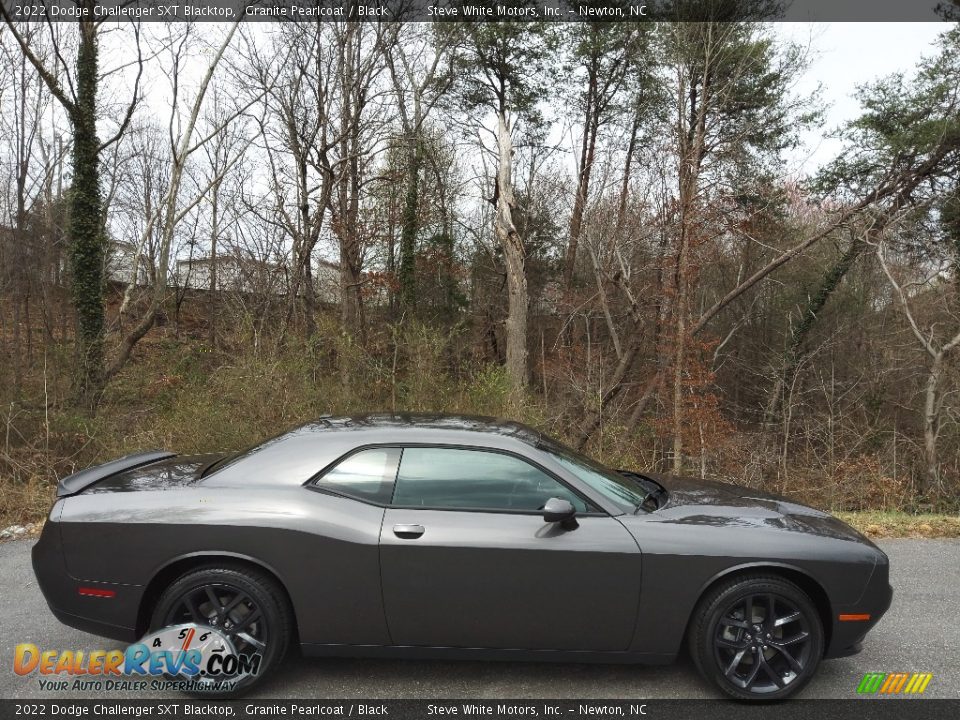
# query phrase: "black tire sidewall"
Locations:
[[713, 607], [264, 593]]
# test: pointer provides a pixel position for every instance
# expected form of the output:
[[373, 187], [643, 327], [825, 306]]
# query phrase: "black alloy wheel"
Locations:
[[246, 606], [757, 638], [227, 608]]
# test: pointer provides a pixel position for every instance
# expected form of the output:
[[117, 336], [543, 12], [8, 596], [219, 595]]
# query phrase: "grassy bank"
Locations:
[[180, 394], [892, 524]]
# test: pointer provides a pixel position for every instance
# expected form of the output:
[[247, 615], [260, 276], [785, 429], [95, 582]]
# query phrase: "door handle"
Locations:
[[408, 532]]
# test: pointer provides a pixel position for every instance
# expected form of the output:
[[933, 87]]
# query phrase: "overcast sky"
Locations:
[[847, 55]]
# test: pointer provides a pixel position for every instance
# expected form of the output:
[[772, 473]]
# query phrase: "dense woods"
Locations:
[[211, 232]]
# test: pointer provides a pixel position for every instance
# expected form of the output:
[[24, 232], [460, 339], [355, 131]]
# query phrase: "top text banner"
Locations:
[[480, 10]]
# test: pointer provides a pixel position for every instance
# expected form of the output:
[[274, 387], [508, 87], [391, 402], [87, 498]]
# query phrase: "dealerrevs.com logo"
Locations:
[[182, 657], [898, 683]]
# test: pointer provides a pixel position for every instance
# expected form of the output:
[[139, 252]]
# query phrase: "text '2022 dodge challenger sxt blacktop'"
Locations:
[[459, 537]]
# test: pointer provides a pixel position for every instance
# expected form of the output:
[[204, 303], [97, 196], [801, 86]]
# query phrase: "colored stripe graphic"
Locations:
[[894, 683], [923, 682], [897, 682], [871, 682]]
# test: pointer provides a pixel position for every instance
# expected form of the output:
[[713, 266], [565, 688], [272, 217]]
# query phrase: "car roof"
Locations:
[[298, 454], [438, 423]]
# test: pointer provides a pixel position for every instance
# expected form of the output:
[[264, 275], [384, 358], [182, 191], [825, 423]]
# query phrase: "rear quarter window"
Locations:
[[365, 475]]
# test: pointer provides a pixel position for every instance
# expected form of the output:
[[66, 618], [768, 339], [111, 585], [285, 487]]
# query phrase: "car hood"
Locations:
[[696, 501]]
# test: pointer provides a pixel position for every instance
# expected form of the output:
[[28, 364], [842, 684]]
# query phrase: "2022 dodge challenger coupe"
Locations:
[[458, 537]]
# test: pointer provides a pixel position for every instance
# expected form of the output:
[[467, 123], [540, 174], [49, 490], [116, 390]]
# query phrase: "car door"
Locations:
[[468, 561]]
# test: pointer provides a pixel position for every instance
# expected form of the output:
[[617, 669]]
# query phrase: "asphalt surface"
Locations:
[[920, 633]]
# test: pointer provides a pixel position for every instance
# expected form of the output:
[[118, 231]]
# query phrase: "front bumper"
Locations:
[[846, 637]]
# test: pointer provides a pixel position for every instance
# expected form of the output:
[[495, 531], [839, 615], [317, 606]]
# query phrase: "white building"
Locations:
[[120, 262], [234, 274]]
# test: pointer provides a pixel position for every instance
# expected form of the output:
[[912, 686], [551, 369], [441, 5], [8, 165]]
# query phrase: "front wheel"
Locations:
[[757, 638], [246, 607]]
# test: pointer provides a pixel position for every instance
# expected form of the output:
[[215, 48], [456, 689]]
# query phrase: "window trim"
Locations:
[[595, 512], [312, 482]]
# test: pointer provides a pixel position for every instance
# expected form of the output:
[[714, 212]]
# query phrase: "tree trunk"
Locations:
[[627, 165], [351, 255], [587, 154], [19, 267], [409, 226], [351, 310], [931, 427], [214, 236], [680, 343], [299, 232], [304, 269], [689, 182], [691, 143], [86, 223], [348, 191], [514, 255]]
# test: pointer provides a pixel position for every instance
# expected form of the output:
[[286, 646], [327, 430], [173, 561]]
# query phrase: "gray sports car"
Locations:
[[458, 537]]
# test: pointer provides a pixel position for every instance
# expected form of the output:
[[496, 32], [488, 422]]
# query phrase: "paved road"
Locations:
[[920, 633]]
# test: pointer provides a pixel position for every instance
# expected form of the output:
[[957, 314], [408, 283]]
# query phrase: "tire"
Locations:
[[260, 611], [770, 658]]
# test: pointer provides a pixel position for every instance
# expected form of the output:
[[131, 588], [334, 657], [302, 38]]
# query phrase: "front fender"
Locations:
[[681, 561]]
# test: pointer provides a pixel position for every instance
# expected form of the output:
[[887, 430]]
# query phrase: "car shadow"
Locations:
[[444, 679]]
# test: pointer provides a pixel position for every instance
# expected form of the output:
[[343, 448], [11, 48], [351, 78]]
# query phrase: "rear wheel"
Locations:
[[757, 638], [245, 606]]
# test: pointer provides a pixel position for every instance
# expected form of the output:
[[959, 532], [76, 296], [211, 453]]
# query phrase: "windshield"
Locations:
[[624, 492]]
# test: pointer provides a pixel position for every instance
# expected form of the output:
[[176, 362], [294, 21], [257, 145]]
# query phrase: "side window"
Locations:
[[365, 475], [454, 478]]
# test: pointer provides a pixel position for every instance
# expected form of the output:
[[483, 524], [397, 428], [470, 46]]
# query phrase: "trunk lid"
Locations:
[[79, 481], [152, 470]]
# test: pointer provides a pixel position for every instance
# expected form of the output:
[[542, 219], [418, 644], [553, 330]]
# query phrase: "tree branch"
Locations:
[[133, 101], [46, 75]]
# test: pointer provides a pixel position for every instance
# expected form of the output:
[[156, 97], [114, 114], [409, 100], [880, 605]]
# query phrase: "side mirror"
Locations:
[[557, 510]]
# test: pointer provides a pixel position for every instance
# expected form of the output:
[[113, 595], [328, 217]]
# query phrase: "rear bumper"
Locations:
[[113, 617], [95, 627]]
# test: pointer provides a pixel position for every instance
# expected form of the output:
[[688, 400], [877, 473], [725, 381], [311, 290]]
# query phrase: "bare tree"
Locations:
[[77, 94], [937, 350], [610, 58], [25, 268], [504, 72], [171, 211], [360, 64], [298, 137], [421, 70], [222, 151]]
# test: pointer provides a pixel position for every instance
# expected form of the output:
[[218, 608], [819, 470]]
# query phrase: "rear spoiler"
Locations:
[[72, 484]]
